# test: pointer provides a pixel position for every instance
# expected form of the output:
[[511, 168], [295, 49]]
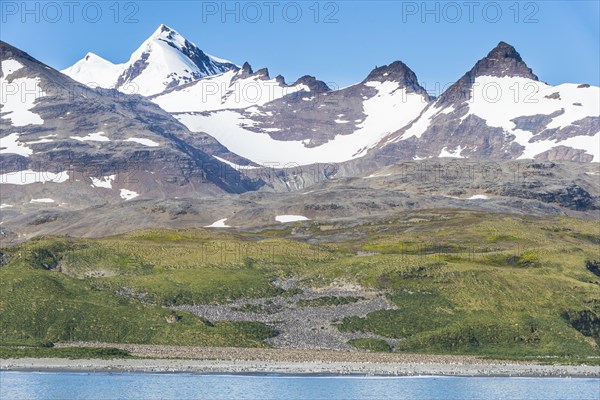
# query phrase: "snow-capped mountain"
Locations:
[[497, 110], [302, 123], [71, 146], [94, 71], [500, 110], [164, 61]]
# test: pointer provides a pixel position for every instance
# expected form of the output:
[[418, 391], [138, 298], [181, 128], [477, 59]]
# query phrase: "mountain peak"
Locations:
[[168, 35], [164, 60], [91, 57], [504, 47], [94, 70], [313, 84], [246, 70], [503, 60], [396, 72], [167, 60], [163, 30]]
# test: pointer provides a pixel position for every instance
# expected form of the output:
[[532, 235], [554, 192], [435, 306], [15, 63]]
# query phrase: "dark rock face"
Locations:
[[202, 61], [503, 60], [566, 154], [246, 71], [133, 71], [535, 123], [4, 258], [586, 321], [313, 84], [573, 196], [593, 267]]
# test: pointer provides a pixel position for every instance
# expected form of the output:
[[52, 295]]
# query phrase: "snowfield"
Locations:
[[224, 91], [499, 101], [390, 108], [19, 96]]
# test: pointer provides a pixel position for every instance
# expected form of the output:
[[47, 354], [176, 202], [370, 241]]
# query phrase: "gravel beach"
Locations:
[[279, 361]]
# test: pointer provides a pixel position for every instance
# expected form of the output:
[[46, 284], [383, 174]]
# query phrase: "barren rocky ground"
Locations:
[[301, 326]]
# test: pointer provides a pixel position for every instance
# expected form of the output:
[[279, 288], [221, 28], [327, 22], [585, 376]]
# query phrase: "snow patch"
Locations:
[[452, 154], [11, 145], [27, 177], [145, 142], [376, 176], [478, 197], [290, 218], [218, 224], [235, 166], [45, 200], [104, 182], [10, 66], [128, 194], [92, 137]]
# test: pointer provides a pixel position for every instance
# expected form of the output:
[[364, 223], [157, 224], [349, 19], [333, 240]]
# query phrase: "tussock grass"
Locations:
[[463, 282]]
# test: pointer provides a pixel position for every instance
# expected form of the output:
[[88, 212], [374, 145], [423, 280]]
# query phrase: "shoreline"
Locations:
[[291, 368]]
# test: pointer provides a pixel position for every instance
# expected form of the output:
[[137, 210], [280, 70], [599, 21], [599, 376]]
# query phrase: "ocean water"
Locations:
[[97, 386]]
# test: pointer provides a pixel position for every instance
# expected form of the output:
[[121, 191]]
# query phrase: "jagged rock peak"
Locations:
[[394, 71], [280, 79], [246, 71], [503, 60], [263, 73], [313, 84], [397, 72]]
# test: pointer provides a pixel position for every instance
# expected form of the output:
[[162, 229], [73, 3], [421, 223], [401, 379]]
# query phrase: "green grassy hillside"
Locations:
[[463, 282]]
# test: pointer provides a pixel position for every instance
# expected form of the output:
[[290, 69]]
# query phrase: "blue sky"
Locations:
[[339, 44]]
